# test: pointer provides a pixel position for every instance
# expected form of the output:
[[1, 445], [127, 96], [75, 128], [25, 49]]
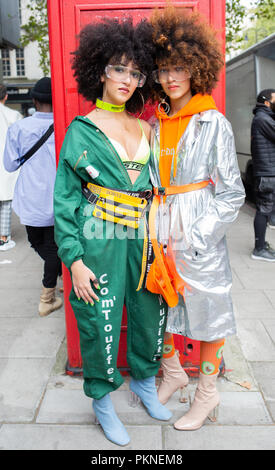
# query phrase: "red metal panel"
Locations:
[[66, 19], [217, 19], [189, 354]]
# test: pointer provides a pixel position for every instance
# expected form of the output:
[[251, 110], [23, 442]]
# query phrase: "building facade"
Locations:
[[21, 65], [20, 68]]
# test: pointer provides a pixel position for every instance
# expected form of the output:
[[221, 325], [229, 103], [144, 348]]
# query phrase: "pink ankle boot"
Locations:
[[174, 377], [205, 405]]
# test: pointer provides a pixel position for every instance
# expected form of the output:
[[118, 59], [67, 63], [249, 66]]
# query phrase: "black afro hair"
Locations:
[[107, 42]]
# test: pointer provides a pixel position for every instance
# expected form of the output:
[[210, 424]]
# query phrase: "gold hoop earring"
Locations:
[[143, 104], [164, 105]]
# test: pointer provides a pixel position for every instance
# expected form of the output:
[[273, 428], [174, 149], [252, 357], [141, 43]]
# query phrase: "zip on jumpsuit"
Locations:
[[114, 253]]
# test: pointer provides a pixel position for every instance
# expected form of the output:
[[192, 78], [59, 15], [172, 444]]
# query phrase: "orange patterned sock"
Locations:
[[168, 348], [210, 357]]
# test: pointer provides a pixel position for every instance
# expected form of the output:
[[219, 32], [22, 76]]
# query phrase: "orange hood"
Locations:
[[171, 130]]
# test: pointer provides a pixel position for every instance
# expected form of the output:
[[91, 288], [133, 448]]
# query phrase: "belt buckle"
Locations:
[[159, 191], [91, 197]]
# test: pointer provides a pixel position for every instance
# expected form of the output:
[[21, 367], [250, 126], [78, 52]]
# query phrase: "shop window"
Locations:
[[6, 63], [20, 62]]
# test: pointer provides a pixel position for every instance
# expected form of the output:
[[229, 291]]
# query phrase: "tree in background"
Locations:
[[261, 15], [260, 28], [235, 14], [36, 30], [264, 9]]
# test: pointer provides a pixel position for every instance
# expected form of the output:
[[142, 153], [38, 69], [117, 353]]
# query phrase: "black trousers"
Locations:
[[265, 206], [42, 241]]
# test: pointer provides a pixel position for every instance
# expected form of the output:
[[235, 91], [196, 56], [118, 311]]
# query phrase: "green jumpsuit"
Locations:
[[114, 253]]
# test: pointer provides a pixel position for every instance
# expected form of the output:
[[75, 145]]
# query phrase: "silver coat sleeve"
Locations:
[[195, 224]]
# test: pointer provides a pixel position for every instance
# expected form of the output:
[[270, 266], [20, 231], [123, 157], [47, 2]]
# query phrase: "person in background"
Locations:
[[7, 181], [33, 195], [263, 157], [271, 221]]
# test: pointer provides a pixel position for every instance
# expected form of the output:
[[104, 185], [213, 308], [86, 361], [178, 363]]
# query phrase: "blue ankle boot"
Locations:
[[111, 425], [146, 390]]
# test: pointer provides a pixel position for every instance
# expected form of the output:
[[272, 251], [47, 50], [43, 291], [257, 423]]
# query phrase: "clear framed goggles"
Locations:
[[118, 73], [178, 73]]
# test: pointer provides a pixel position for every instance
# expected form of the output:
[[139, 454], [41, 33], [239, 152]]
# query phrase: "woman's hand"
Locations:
[[81, 278]]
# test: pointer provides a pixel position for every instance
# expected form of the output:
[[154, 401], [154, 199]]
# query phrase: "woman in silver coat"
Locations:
[[193, 143]]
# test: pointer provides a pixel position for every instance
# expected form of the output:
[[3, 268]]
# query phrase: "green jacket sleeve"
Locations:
[[67, 198]]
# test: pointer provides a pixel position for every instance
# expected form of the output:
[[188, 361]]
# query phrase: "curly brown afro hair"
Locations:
[[183, 37], [107, 42]]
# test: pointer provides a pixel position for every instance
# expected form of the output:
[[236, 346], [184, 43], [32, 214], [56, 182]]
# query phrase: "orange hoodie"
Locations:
[[163, 277], [171, 130]]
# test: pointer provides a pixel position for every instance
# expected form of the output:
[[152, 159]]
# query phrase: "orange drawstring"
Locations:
[[176, 149]]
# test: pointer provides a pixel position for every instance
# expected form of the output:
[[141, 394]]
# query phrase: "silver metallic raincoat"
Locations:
[[196, 223]]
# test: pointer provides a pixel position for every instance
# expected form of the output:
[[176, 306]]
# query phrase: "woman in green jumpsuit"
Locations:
[[101, 195]]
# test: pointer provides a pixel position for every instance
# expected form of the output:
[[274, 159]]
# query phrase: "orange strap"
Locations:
[[185, 188], [161, 277], [158, 279]]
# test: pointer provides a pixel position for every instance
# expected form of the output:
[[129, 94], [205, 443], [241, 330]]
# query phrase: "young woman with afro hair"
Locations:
[[198, 192], [101, 194]]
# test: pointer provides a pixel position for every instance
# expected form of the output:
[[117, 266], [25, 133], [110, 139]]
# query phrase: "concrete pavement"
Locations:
[[43, 408]]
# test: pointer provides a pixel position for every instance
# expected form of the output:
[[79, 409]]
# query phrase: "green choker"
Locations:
[[114, 108]]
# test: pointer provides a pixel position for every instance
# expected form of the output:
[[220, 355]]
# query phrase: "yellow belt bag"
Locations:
[[118, 207], [121, 208]]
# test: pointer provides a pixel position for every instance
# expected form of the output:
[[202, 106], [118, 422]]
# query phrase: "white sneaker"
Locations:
[[4, 246]]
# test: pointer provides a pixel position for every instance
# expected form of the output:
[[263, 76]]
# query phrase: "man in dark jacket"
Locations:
[[263, 156]]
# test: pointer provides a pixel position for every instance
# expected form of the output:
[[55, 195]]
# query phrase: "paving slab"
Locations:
[[31, 337], [44, 437], [237, 284], [271, 408], [238, 374], [253, 304], [243, 409], [270, 328], [216, 437], [72, 406], [271, 296], [257, 344], [23, 255], [265, 375], [259, 277], [14, 306], [22, 385], [21, 277]]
